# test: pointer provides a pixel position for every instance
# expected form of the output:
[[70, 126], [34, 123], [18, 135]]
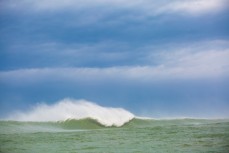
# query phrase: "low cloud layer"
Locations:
[[182, 63]]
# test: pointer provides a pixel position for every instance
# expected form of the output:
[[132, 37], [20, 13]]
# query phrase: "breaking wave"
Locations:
[[75, 112]]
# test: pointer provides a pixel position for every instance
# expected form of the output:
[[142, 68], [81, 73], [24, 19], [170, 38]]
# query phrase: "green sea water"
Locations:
[[136, 136]]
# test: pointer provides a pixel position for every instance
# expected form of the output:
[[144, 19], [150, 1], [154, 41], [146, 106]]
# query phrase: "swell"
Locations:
[[12, 127], [57, 126], [90, 124], [87, 123]]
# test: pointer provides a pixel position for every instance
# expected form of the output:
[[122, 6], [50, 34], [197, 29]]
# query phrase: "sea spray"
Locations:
[[69, 109]]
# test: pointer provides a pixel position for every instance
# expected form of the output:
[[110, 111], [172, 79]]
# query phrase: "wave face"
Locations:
[[69, 109]]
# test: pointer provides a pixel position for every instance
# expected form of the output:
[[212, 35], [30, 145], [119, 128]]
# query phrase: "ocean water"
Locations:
[[79, 126], [135, 136]]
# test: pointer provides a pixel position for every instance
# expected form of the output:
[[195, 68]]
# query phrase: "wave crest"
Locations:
[[77, 110]]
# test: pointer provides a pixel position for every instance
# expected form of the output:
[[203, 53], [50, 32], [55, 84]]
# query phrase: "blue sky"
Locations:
[[155, 58]]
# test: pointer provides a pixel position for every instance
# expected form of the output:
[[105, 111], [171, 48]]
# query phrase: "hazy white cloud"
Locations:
[[112, 12], [150, 7], [187, 60], [193, 7]]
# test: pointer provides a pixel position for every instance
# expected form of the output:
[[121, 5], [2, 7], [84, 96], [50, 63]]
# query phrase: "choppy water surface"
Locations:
[[87, 135]]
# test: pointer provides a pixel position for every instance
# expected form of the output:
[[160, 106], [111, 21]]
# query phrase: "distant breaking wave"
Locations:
[[71, 112]]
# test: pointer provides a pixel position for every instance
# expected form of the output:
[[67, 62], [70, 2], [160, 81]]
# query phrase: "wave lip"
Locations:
[[75, 109]]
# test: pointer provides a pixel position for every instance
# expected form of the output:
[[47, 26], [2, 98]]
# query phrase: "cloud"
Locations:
[[116, 54], [150, 7], [173, 61], [181, 64], [193, 7], [58, 54], [62, 46]]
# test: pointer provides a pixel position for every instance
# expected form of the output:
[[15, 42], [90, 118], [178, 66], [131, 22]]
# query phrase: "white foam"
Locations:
[[75, 109]]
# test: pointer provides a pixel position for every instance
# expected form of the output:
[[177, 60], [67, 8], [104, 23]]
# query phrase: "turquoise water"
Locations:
[[136, 136]]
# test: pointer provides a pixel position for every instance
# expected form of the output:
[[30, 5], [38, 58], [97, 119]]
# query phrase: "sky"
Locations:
[[155, 58]]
